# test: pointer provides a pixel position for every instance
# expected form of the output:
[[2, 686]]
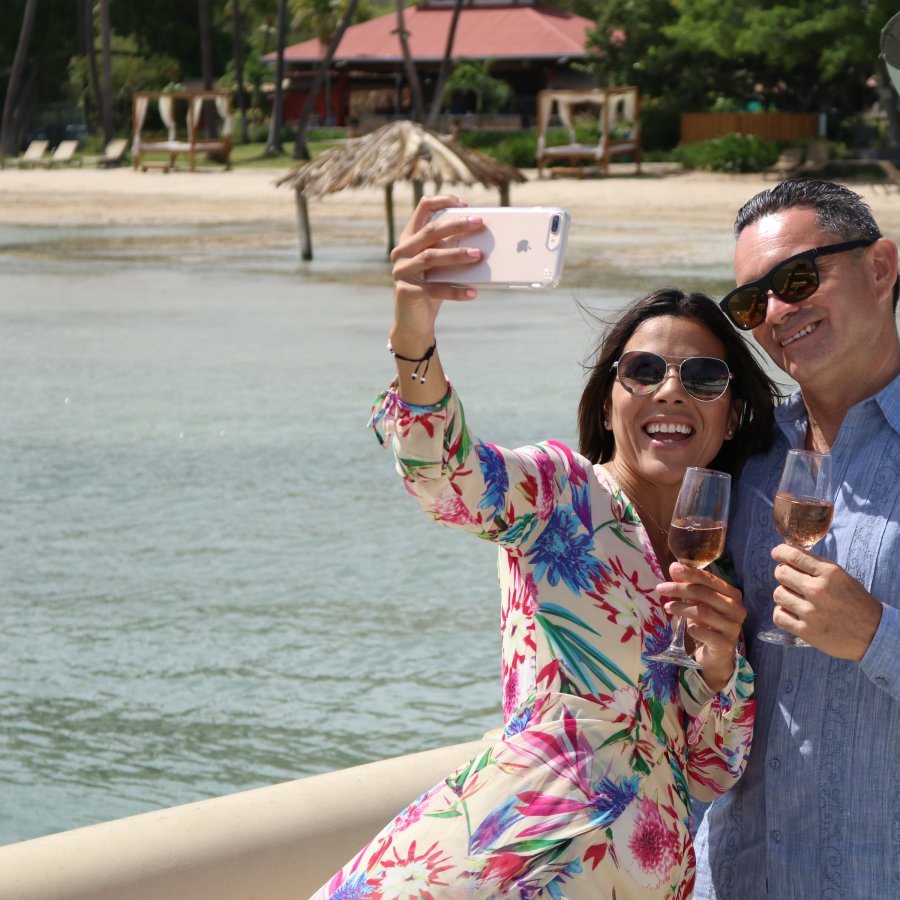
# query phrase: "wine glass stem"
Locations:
[[678, 633]]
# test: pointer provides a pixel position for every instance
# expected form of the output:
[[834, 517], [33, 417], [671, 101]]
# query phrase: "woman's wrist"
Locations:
[[410, 344]]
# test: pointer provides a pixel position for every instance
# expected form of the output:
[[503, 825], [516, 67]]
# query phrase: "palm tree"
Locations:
[[440, 84], [237, 35], [412, 76], [106, 115], [90, 50], [274, 143], [15, 95], [206, 63], [301, 150]]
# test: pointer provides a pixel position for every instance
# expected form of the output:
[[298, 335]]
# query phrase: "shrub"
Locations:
[[728, 153], [517, 148]]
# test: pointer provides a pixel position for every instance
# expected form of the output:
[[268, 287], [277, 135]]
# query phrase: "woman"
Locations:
[[587, 793]]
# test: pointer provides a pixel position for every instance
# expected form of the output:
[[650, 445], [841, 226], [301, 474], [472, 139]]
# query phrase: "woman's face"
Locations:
[[658, 435]]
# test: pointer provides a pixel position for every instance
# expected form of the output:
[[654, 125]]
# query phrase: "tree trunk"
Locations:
[[237, 33], [274, 144], [106, 113], [440, 84], [206, 64], [8, 141], [301, 151], [887, 98], [94, 75], [412, 76]]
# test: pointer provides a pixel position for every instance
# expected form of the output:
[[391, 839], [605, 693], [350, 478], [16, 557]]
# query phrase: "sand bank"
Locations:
[[662, 220]]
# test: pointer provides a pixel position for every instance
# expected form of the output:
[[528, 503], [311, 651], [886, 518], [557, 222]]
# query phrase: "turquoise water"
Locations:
[[212, 579]]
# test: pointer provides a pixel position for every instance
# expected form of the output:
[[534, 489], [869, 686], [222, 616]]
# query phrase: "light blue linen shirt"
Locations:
[[817, 813]]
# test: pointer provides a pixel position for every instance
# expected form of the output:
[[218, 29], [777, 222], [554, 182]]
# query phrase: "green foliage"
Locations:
[[728, 153], [805, 54], [473, 79], [660, 123], [516, 149]]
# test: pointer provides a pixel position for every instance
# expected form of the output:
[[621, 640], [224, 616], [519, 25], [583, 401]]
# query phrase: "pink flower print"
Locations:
[[546, 493], [644, 845], [412, 877], [510, 691], [409, 816], [449, 507]]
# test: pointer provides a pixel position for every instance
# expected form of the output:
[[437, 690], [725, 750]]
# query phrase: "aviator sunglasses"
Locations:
[[792, 280], [641, 372]]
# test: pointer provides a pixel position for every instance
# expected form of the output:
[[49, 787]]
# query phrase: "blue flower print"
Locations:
[[662, 678], [611, 799], [496, 478], [561, 553]]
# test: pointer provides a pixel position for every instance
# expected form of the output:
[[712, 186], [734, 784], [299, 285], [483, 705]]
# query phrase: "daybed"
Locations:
[[173, 106], [618, 113]]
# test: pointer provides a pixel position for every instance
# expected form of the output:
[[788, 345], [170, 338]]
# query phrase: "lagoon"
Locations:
[[212, 578]]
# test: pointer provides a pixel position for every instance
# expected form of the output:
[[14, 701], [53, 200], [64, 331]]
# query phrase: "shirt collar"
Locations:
[[792, 419]]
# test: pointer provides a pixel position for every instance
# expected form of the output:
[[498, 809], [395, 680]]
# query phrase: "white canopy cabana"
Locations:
[[172, 105], [618, 114]]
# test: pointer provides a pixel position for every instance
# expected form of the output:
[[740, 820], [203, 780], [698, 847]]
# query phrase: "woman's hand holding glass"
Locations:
[[714, 612]]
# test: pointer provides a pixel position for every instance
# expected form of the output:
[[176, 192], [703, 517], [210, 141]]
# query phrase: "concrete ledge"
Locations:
[[274, 842]]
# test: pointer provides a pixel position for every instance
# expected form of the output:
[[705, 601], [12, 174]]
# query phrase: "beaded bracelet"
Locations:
[[424, 359]]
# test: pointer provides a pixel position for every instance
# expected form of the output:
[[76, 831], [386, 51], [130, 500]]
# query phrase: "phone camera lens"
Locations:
[[554, 225]]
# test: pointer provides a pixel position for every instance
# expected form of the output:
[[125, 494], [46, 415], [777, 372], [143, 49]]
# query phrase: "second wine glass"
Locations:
[[696, 538], [802, 512]]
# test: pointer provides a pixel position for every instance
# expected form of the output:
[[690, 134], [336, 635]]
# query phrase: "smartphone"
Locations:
[[522, 247]]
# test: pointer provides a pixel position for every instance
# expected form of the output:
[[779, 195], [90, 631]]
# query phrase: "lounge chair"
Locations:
[[63, 155], [31, 157], [113, 154], [788, 163]]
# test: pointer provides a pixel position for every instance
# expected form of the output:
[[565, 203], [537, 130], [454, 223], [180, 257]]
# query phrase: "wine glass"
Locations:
[[802, 512], [696, 538]]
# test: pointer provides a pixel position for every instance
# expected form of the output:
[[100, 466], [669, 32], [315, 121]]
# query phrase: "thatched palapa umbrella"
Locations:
[[400, 151]]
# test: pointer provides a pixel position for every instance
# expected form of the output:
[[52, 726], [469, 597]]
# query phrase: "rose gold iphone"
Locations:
[[522, 247]]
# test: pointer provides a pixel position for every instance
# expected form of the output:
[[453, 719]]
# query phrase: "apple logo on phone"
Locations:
[[523, 246]]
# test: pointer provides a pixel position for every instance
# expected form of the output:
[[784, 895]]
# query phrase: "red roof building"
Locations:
[[533, 47]]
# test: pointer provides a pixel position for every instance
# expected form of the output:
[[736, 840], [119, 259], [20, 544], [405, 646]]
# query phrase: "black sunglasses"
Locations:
[[641, 372], [792, 280]]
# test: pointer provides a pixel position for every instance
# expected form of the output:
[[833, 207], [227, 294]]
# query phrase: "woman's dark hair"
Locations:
[[750, 383]]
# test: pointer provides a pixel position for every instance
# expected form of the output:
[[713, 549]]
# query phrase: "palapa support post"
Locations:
[[504, 194], [389, 216], [306, 252], [418, 191]]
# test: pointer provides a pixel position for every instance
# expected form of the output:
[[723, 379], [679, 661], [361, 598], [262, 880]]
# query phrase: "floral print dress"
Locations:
[[586, 795]]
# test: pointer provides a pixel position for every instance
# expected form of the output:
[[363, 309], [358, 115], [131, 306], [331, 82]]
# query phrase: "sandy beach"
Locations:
[[664, 220]]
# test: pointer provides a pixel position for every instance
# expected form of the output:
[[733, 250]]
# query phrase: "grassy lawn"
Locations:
[[244, 156]]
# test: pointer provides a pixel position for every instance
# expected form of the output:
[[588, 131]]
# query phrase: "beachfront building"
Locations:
[[532, 47]]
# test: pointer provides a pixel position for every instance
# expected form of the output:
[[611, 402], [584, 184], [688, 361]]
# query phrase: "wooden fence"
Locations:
[[771, 126]]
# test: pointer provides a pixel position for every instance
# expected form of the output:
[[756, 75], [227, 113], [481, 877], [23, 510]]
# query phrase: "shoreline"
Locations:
[[663, 222]]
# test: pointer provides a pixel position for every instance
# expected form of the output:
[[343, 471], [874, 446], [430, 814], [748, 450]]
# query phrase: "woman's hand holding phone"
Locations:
[[423, 248]]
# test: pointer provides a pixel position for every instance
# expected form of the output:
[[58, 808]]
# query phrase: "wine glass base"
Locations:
[[782, 637], [677, 658]]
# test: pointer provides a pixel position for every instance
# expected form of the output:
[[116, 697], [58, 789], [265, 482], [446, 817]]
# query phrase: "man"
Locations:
[[817, 813]]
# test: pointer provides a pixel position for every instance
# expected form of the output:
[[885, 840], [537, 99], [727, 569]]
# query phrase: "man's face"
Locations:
[[828, 338]]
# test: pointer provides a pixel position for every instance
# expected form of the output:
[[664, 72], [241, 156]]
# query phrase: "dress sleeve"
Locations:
[[507, 496], [719, 729]]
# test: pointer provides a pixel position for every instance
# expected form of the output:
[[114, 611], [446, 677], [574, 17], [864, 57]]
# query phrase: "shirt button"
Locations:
[[788, 686], [881, 681], [776, 836], [775, 764]]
